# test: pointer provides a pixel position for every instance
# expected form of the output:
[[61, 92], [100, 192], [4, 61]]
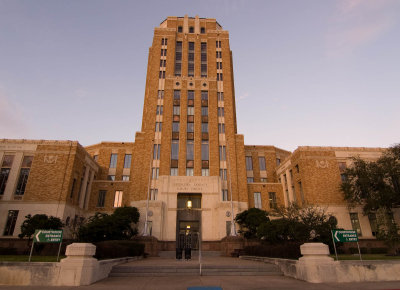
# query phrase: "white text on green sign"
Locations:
[[345, 236], [48, 236]]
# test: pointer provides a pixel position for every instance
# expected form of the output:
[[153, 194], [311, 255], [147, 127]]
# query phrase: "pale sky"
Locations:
[[317, 73]]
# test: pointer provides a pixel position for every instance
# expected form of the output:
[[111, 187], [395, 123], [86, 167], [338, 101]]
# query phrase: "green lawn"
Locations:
[[23, 258], [366, 257]]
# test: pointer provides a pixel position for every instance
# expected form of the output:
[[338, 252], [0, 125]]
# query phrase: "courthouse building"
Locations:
[[188, 154]]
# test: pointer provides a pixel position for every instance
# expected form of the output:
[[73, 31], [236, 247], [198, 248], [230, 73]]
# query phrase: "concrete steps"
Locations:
[[190, 268]]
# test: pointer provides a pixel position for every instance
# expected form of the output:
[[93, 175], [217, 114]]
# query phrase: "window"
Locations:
[[190, 95], [178, 58], [261, 161], [342, 166], [191, 59], [203, 59], [221, 112], [179, 28], [102, 198], [159, 110], [158, 126], [204, 95], [160, 94], [343, 177], [96, 157], [163, 52], [118, 198], [153, 194], [223, 174], [355, 223], [218, 44], [272, 200], [301, 192], [191, 29], [190, 111], [175, 126], [190, 127], [162, 74], [249, 163], [219, 65], [72, 188], [297, 168], [127, 160], [373, 223], [23, 175], [164, 41], [204, 150], [257, 200], [219, 77], [125, 177], [174, 172], [204, 111], [224, 195], [263, 179], [204, 127], [220, 96], [176, 110], [189, 150], [221, 128], [109, 177], [156, 151], [250, 179], [174, 150], [205, 172], [294, 194], [278, 161], [163, 62], [189, 171], [222, 153], [177, 95], [202, 30], [219, 54], [5, 171], [154, 172], [113, 160], [10, 224]]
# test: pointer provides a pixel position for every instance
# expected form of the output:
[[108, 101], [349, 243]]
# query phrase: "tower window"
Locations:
[[191, 29], [180, 29], [202, 30], [249, 163], [261, 161]]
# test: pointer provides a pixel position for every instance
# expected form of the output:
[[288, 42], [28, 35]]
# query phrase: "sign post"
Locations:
[[345, 236], [47, 236]]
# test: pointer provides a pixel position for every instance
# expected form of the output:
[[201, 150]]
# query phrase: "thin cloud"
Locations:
[[12, 121], [356, 23]]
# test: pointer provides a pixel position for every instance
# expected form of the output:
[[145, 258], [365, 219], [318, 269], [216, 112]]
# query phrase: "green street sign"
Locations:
[[48, 236], [344, 236]]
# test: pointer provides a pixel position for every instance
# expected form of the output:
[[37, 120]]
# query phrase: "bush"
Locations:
[[288, 250], [379, 250], [8, 251], [118, 249]]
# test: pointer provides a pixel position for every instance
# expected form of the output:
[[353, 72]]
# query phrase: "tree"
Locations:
[[103, 227], [299, 224], [39, 221], [375, 185], [249, 220]]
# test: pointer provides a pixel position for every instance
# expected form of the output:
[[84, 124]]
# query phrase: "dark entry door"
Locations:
[[188, 221]]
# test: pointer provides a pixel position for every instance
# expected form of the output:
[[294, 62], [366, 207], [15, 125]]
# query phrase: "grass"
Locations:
[[366, 257], [25, 258]]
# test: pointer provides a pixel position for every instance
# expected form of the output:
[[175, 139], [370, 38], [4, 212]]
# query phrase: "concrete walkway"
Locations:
[[225, 282]]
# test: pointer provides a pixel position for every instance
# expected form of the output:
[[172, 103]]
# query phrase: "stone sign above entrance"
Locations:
[[189, 184]]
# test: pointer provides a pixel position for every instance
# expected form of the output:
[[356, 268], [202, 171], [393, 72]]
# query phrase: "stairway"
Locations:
[[211, 266]]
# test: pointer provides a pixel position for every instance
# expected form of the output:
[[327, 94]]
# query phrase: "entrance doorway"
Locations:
[[188, 221]]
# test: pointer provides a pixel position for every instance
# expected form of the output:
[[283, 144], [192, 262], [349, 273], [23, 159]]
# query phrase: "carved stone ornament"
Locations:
[[51, 159], [322, 163]]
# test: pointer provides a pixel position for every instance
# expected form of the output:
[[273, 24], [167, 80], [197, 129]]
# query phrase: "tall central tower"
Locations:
[[189, 126]]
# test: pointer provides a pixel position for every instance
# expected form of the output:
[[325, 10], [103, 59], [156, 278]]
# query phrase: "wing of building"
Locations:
[[187, 154]]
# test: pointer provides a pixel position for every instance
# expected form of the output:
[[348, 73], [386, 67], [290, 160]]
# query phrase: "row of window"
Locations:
[[23, 173], [102, 198], [127, 160], [271, 198], [261, 162], [112, 177], [191, 29]]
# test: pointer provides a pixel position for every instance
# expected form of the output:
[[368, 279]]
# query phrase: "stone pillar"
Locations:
[[316, 266], [79, 268]]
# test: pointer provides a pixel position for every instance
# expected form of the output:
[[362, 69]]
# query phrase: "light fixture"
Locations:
[[188, 227], [189, 204]]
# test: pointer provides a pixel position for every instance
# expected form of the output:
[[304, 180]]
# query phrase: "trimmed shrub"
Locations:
[[379, 250], [118, 249], [288, 250]]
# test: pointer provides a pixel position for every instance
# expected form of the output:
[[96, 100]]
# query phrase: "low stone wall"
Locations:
[[79, 268], [317, 267]]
